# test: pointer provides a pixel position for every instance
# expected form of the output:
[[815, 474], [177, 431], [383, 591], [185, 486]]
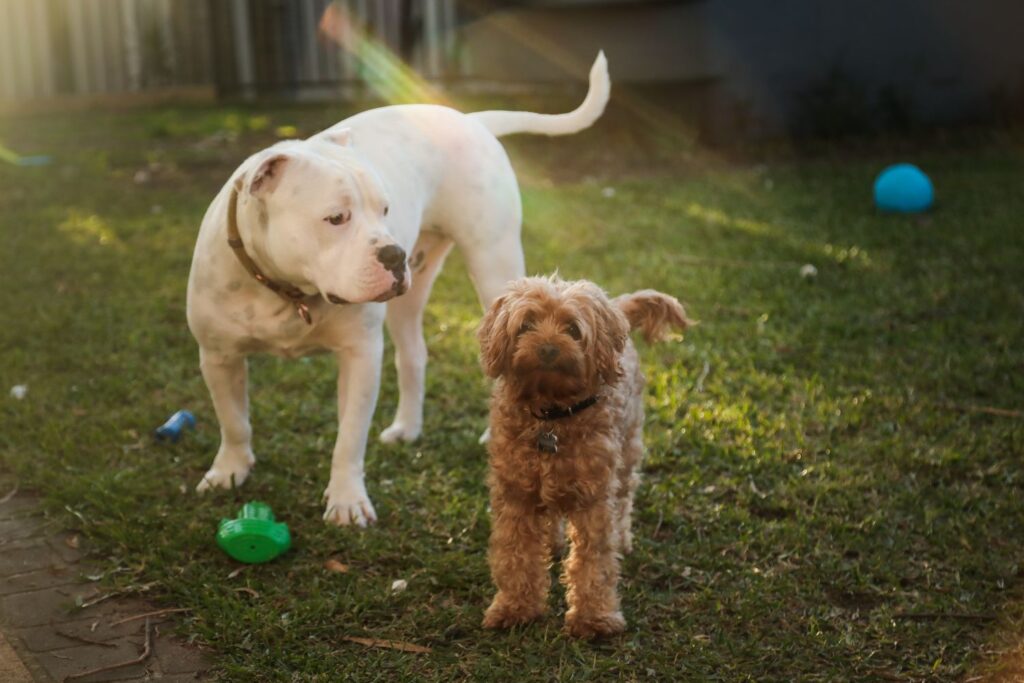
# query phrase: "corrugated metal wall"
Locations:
[[54, 48], [85, 47], [272, 46]]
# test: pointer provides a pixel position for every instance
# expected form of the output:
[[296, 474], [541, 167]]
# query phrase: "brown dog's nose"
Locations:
[[547, 353], [392, 256]]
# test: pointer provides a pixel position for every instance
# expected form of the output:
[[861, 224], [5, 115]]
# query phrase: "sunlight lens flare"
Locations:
[[384, 73]]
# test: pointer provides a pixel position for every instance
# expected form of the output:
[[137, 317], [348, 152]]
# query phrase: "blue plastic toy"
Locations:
[[903, 188], [171, 430], [13, 157]]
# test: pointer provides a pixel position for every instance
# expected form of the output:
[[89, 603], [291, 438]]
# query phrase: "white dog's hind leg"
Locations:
[[358, 384], [226, 379], [405, 325], [491, 271]]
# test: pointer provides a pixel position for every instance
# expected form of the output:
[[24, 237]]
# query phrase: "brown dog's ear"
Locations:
[[266, 177], [610, 333], [495, 343]]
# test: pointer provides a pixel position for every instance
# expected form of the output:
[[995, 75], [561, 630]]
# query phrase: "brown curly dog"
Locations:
[[566, 442]]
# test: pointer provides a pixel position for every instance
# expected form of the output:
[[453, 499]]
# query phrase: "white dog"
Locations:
[[307, 237]]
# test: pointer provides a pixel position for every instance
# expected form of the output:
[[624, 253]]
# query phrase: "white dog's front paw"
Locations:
[[223, 477], [229, 469], [400, 431], [348, 504]]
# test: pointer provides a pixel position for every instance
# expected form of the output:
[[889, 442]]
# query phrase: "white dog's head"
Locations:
[[317, 218]]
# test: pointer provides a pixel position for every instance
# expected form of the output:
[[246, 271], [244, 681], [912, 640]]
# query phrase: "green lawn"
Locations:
[[817, 468]]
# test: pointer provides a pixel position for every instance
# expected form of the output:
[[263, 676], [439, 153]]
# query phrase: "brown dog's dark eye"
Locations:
[[524, 328], [574, 331], [339, 218]]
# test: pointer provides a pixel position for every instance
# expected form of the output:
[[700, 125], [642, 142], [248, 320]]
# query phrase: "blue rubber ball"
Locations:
[[903, 188]]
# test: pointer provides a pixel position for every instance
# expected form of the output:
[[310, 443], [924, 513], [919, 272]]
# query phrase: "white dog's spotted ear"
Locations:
[[267, 176], [342, 136]]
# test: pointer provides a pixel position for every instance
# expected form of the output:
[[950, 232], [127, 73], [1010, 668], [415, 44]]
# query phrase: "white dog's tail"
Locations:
[[508, 122]]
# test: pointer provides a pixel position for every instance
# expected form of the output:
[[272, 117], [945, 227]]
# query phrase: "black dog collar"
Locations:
[[556, 413]]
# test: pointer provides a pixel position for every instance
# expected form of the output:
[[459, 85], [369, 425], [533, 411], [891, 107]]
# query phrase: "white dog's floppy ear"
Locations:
[[268, 175], [342, 136]]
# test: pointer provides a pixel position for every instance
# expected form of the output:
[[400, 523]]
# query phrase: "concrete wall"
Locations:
[[945, 60], [646, 42], [946, 57]]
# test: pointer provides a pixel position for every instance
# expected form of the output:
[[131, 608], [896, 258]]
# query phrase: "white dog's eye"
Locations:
[[574, 331], [386, 210], [339, 218]]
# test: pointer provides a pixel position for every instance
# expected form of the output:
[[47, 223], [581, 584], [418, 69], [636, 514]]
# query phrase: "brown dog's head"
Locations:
[[552, 339]]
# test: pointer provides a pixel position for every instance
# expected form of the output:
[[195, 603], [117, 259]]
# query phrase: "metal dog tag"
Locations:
[[547, 442]]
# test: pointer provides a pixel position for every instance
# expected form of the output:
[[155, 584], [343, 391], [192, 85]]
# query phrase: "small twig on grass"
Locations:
[[147, 615], [146, 650], [10, 494], [82, 639], [885, 674], [389, 644], [987, 410], [923, 616], [698, 386], [141, 588], [77, 514], [96, 601], [238, 571]]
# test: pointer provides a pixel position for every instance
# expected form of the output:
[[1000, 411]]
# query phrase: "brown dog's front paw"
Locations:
[[594, 626], [506, 615]]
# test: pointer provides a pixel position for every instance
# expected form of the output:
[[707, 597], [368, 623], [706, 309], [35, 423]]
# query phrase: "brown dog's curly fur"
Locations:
[[554, 344]]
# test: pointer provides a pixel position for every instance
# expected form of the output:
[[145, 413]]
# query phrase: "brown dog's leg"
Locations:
[[518, 556], [592, 575], [629, 479]]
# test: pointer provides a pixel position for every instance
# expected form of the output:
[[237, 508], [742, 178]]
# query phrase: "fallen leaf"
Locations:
[[388, 644], [249, 591], [10, 494], [333, 565], [72, 541]]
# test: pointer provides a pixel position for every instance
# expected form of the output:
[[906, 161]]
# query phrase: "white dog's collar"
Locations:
[[285, 290]]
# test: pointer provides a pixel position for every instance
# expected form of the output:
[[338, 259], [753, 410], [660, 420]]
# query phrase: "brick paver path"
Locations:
[[45, 636]]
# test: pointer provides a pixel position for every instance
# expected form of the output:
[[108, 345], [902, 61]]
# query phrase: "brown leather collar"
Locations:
[[285, 290]]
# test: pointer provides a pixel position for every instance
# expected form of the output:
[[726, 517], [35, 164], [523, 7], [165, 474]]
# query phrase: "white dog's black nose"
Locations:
[[392, 256]]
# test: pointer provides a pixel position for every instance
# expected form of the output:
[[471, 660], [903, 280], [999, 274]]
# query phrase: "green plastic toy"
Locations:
[[254, 537]]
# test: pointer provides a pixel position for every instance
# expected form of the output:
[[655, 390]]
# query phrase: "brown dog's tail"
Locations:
[[653, 312]]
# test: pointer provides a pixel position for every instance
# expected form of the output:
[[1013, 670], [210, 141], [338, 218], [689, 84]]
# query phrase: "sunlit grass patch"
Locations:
[[817, 464]]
